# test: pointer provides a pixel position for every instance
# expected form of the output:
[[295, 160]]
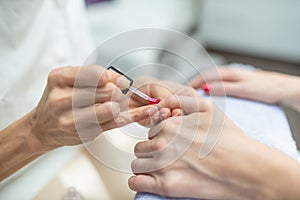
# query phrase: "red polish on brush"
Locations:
[[134, 90], [152, 101], [205, 88]]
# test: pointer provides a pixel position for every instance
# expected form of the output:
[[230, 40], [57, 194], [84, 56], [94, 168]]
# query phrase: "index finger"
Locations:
[[186, 103], [97, 76], [88, 76], [214, 75]]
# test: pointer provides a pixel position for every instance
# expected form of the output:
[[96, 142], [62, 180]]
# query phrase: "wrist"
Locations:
[[18, 146], [291, 96], [32, 137], [269, 174], [278, 176]]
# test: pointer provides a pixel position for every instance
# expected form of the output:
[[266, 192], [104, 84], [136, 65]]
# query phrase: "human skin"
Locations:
[[157, 89], [238, 167], [258, 85], [66, 108]]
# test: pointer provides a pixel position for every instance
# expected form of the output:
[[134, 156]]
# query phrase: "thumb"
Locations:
[[129, 116]]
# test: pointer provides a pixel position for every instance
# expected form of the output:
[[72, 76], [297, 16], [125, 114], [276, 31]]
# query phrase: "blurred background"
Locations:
[[265, 34]]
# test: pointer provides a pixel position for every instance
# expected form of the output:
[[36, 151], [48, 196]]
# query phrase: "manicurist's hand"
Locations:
[[80, 101], [203, 155], [77, 105], [269, 87]]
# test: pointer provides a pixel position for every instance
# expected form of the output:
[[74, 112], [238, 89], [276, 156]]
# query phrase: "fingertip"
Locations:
[[156, 118], [177, 112], [206, 87], [122, 82], [152, 110], [142, 183], [131, 183], [117, 79], [165, 113]]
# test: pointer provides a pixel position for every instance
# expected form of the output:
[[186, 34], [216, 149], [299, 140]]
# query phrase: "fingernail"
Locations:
[[152, 101], [156, 118], [164, 113], [120, 121], [122, 82], [206, 88], [151, 111]]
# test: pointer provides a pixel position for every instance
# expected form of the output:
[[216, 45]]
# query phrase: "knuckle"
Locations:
[[106, 108], [109, 109], [56, 100], [166, 187], [117, 95], [109, 88], [65, 102], [173, 100], [53, 74], [56, 75], [159, 144], [112, 92], [66, 123], [53, 101]]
